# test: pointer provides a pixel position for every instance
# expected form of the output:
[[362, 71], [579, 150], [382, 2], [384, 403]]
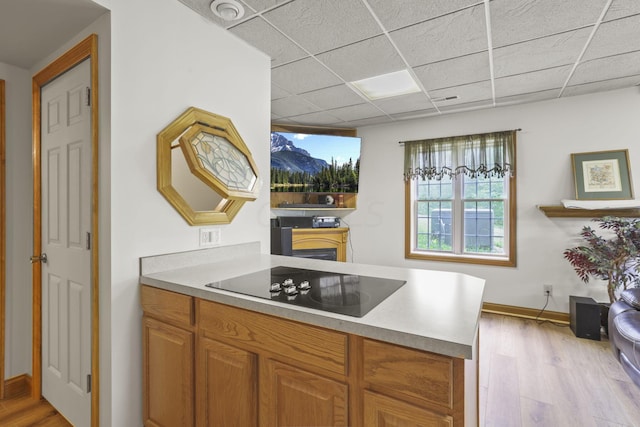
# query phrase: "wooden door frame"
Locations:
[[3, 233], [88, 48]]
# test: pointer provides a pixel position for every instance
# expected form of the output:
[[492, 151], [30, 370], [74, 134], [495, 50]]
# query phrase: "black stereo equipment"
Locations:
[[295, 221], [584, 317], [326, 222]]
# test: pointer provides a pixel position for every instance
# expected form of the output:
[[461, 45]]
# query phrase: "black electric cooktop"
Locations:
[[348, 294]]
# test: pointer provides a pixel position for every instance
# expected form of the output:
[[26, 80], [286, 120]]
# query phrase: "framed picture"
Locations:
[[602, 175]]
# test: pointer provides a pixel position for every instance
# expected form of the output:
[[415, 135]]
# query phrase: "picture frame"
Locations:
[[602, 175]]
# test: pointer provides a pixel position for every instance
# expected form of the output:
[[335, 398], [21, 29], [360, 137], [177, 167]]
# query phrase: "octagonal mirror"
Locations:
[[205, 170]]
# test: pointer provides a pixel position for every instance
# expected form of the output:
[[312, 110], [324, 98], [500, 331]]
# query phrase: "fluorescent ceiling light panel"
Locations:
[[387, 85]]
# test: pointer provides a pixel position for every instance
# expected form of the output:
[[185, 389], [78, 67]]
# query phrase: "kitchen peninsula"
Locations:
[[217, 357]]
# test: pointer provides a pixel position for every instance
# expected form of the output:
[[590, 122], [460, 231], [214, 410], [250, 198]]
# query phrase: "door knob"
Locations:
[[36, 258]]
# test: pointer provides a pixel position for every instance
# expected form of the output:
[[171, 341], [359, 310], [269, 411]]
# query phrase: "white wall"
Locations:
[[166, 58], [19, 213], [551, 131]]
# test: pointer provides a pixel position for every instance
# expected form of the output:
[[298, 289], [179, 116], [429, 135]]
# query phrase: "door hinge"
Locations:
[[88, 241], [88, 97], [89, 383]]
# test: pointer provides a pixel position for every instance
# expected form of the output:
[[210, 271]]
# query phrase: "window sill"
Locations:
[[465, 259]]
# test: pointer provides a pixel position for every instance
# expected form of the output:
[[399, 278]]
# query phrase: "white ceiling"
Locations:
[[487, 53], [30, 30], [540, 49]]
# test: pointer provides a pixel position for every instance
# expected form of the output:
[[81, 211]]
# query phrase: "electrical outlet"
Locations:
[[209, 236], [548, 290]]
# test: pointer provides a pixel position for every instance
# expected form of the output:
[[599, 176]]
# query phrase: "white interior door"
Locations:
[[66, 223]]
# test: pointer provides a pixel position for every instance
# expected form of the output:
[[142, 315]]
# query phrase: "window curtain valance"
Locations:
[[487, 154]]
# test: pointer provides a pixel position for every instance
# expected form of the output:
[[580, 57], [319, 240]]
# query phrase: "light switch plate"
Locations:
[[209, 236]]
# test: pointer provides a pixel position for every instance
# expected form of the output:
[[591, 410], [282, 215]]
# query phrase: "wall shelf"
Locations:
[[279, 200], [339, 212], [559, 211]]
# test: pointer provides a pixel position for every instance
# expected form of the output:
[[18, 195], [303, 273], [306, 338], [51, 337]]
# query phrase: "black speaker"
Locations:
[[584, 317], [281, 241]]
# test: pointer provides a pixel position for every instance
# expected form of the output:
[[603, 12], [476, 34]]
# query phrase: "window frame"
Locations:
[[411, 224]]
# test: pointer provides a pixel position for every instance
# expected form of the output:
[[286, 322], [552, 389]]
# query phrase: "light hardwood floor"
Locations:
[[530, 375], [23, 411], [542, 375]]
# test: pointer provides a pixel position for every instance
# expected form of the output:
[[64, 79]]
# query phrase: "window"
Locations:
[[460, 199]]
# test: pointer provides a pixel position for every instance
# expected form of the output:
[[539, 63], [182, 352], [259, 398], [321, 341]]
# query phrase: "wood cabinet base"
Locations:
[[217, 365]]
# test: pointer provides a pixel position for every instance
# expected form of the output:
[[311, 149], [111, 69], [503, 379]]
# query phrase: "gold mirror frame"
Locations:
[[168, 139]]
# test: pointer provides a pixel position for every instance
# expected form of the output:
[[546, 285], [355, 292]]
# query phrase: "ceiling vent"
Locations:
[[229, 10]]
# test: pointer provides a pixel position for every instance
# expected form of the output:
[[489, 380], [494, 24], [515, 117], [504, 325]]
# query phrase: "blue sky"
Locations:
[[341, 148]]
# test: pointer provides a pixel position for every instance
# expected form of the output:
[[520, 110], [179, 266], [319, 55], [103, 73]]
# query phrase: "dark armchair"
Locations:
[[624, 332]]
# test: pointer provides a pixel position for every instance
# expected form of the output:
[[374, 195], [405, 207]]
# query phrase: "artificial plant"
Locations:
[[613, 259]]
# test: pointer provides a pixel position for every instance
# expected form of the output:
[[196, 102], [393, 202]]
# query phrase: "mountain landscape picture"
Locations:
[[314, 163]]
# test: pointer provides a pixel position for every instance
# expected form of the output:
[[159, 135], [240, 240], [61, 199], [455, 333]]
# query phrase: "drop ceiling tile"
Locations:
[[454, 72], [367, 58], [472, 92], [261, 5], [287, 122], [602, 86], [419, 114], [364, 122], [292, 106], [546, 52], [622, 8], [277, 92], [514, 21], [416, 114], [398, 14], [333, 97], [536, 81], [613, 37], [402, 104], [303, 76], [263, 36], [610, 67], [487, 103], [356, 112], [324, 25], [528, 97], [450, 36], [321, 118]]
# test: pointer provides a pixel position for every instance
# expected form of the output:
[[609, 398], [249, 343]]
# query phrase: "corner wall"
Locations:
[[551, 131], [19, 211], [166, 58]]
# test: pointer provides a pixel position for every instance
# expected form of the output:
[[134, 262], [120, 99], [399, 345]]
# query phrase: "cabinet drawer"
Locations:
[[383, 411], [169, 306], [401, 371], [296, 342]]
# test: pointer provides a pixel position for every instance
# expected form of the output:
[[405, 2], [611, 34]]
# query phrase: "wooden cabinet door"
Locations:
[[383, 411], [226, 386], [167, 375], [293, 397]]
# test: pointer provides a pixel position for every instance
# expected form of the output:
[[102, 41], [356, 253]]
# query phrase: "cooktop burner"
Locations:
[[348, 294]]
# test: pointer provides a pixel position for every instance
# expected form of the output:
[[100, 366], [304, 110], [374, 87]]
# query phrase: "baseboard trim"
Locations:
[[524, 312], [17, 386]]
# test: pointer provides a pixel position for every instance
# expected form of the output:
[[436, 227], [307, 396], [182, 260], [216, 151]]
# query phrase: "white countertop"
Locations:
[[434, 311]]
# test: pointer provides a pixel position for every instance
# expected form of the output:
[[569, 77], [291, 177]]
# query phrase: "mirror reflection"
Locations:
[[205, 170], [196, 193]]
